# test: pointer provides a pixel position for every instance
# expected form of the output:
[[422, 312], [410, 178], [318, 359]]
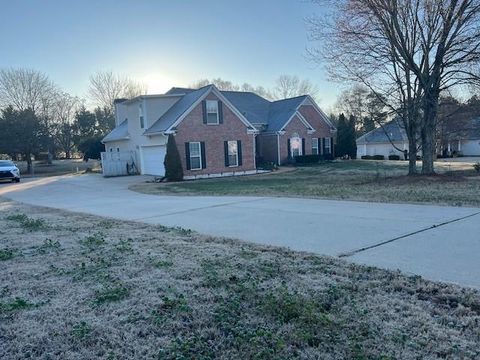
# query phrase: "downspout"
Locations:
[[278, 149], [255, 151]]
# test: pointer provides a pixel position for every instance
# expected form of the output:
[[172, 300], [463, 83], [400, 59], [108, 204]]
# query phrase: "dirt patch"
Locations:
[[78, 286]]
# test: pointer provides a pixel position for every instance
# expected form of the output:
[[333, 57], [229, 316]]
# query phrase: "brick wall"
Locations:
[[193, 129]]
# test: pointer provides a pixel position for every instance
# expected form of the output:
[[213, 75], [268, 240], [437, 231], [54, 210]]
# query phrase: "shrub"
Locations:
[[173, 164], [477, 167], [378, 157], [312, 159], [366, 157], [393, 157]]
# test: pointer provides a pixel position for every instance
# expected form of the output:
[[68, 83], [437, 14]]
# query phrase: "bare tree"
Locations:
[[107, 86], [364, 105], [226, 85], [288, 86], [64, 130], [25, 89], [408, 51]]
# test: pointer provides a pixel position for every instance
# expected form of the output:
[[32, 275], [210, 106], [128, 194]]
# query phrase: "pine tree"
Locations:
[[173, 164], [342, 136], [352, 138]]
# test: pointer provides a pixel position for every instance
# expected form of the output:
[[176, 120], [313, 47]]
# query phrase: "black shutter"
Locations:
[[303, 146], [288, 149], [239, 149], [323, 146], [225, 151], [220, 112], [204, 111], [187, 155], [204, 157], [332, 148]]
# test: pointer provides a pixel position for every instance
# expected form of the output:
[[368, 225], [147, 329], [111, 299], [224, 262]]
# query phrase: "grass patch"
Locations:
[[6, 254], [110, 293], [380, 181], [49, 245], [15, 305], [27, 223], [81, 330], [94, 241]]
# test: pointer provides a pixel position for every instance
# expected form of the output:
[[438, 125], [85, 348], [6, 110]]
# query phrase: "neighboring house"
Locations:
[[464, 140], [460, 137], [218, 133], [390, 139]]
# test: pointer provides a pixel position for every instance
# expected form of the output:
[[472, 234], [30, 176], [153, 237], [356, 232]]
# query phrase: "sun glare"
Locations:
[[157, 83]]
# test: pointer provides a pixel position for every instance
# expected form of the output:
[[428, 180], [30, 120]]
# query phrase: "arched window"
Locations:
[[295, 145]]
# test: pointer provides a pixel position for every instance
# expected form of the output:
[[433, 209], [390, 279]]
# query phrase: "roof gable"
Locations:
[[392, 131]]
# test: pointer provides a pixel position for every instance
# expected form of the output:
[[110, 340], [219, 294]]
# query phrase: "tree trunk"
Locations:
[[29, 163], [428, 133], [412, 156]]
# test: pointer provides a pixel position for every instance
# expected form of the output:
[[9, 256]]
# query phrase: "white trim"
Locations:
[[278, 149], [224, 100], [217, 112], [226, 174], [199, 154], [315, 140], [302, 119], [228, 152]]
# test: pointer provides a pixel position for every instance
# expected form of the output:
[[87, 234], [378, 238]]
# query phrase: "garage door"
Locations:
[[152, 160]]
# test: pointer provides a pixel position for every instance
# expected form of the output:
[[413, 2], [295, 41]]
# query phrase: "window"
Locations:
[[315, 146], [140, 115], [328, 145], [295, 146], [232, 153], [212, 112], [195, 156], [111, 149], [118, 149]]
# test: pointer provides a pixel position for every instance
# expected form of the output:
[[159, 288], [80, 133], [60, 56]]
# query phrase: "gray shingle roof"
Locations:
[[177, 110], [119, 133], [257, 110], [281, 111], [394, 129], [465, 129], [253, 107], [179, 91]]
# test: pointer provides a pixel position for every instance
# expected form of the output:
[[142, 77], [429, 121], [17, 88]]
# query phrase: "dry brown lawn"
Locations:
[[74, 286], [457, 184]]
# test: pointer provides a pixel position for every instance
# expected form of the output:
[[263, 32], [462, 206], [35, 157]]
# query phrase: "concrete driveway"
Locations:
[[438, 243]]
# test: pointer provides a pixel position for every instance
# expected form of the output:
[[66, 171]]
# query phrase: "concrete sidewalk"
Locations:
[[449, 252]]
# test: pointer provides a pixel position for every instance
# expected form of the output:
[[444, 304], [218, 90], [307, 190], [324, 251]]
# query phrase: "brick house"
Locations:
[[218, 133]]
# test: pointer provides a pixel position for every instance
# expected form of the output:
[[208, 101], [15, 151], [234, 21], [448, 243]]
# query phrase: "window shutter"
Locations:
[[323, 146], [225, 151], [303, 146], [288, 149], [331, 148], [220, 112], [204, 111], [239, 149], [204, 157], [187, 155]]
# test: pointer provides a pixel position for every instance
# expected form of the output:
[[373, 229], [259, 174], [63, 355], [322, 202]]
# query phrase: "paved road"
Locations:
[[439, 243]]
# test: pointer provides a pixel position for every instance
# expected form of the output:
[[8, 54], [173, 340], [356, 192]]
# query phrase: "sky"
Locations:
[[162, 43]]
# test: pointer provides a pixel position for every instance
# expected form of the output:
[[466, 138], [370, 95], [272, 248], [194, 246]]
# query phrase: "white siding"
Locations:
[[471, 147], [385, 149]]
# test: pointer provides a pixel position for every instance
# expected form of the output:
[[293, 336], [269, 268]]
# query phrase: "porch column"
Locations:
[[459, 145]]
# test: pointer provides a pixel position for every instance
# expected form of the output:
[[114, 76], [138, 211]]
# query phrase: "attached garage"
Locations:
[[152, 160]]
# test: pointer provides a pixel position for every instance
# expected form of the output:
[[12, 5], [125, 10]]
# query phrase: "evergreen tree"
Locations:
[[352, 139], [342, 136], [173, 164]]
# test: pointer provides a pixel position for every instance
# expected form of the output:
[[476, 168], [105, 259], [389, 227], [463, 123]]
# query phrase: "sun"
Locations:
[[157, 83]]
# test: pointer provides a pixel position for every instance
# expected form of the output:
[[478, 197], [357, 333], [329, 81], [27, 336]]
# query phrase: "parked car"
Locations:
[[9, 171]]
